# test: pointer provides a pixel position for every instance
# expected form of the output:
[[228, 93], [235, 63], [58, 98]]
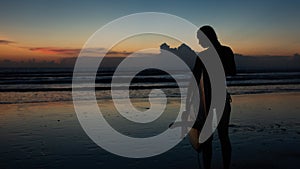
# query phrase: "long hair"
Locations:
[[211, 34]]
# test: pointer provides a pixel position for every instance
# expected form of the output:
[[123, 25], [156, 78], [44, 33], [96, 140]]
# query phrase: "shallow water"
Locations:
[[265, 132]]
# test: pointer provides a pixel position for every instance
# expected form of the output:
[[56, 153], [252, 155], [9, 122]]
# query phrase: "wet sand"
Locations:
[[264, 130]]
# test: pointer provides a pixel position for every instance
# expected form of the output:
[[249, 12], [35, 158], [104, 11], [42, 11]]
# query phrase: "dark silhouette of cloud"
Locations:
[[118, 53], [6, 42]]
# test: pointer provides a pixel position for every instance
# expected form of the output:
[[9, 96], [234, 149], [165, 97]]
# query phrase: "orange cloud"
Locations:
[[5, 42], [75, 51], [53, 50]]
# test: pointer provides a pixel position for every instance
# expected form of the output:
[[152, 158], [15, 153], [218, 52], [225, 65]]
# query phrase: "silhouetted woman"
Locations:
[[226, 55]]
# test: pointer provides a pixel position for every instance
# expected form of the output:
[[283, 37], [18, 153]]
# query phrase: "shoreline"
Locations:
[[172, 97]]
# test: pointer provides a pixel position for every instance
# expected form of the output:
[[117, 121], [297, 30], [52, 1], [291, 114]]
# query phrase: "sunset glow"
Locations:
[[48, 30]]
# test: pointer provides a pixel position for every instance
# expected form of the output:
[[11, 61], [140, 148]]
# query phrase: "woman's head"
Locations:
[[210, 33]]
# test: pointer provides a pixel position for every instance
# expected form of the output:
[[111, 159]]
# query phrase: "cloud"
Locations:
[[6, 42], [75, 51], [102, 52], [93, 51], [54, 50], [118, 53]]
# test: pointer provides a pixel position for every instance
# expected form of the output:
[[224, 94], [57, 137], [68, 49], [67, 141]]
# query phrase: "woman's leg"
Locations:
[[206, 147], [207, 153], [224, 136]]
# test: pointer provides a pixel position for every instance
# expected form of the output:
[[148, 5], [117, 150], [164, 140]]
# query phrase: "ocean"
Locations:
[[51, 85]]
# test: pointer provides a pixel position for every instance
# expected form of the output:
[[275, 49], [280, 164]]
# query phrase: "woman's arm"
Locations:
[[202, 96]]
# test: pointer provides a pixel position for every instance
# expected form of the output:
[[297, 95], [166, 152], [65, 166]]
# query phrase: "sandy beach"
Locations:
[[264, 130]]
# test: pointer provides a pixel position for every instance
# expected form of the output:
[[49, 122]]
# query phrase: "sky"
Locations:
[[49, 29]]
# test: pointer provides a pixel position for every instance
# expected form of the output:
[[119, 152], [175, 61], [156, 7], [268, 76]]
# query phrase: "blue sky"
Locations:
[[250, 27]]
